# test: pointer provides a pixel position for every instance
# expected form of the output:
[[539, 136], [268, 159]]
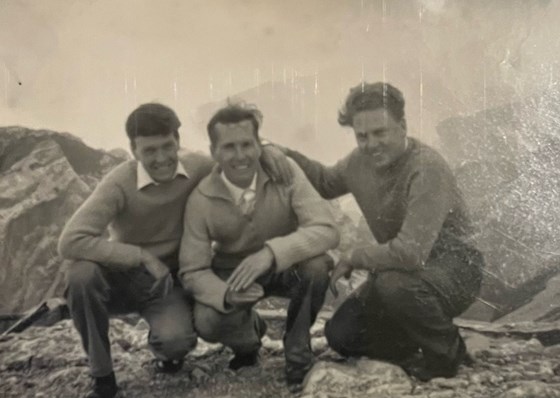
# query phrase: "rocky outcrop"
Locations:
[[49, 362], [507, 162], [544, 307], [44, 177]]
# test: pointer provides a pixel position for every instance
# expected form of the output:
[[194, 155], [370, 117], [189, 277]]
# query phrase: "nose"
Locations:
[[372, 142], [160, 156], [239, 153]]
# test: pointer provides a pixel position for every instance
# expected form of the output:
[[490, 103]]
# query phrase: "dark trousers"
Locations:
[[94, 292], [394, 313], [304, 283]]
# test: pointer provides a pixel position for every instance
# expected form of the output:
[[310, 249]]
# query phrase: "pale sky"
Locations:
[[81, 66]]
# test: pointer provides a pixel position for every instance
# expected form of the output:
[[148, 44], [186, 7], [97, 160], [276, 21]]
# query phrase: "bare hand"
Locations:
[[250, 269], [247, 297], [276, 164], [154, 265], [343, 268]]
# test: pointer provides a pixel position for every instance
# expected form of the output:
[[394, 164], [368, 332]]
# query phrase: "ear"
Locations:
[[403, 123], [213, 151], [133, 149]]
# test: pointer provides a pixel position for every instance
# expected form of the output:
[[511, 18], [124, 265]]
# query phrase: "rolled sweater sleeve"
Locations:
[[195, 257], [316, 232], [330, 182], [85, 235], [429, 203]]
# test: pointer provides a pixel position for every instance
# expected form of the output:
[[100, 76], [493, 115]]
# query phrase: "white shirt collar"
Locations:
[[144, 179], [237, 192]]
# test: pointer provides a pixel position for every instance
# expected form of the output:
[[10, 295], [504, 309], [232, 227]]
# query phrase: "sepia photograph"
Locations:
[[280, 198]]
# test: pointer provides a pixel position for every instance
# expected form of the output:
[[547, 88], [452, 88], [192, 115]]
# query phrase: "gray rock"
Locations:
[[533, 389], [507, 162], [370, 378], [44, 177]]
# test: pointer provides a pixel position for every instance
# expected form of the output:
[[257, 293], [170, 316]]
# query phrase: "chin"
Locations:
[[165, 178]]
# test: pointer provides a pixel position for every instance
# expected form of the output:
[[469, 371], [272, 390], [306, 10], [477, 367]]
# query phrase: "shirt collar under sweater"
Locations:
[[144, 179], [237, 192]]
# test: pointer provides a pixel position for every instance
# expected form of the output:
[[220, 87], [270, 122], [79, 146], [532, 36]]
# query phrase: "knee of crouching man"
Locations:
[[316, 268], [175, 345]]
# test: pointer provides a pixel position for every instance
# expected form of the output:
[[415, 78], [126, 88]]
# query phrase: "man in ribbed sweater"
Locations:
[[247, 237], [124, 241], [422, 271]]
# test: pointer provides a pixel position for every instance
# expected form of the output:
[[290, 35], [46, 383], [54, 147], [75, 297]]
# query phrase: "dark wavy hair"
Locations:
[[234, 113], [150, 120], [370, 96]]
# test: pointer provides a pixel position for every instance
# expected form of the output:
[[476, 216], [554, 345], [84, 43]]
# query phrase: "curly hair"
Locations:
[[370, 96]]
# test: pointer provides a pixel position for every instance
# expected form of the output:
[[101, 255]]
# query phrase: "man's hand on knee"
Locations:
[[246, 297], [253, 266], [160, 272]]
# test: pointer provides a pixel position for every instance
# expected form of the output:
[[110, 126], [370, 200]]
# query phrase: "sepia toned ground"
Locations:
[[49, 362]]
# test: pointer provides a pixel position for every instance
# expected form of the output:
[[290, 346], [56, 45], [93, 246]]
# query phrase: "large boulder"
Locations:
[[44, 177], [360, 377], [507, 163]]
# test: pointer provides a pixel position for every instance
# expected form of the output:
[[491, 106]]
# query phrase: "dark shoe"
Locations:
[[170, 367], [249, 359], [241, 360], [103, 387], [295, 373], [424, 370]]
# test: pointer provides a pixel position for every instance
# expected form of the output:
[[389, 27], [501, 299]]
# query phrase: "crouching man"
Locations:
[[140, 201], [133, 268], [247, 237]]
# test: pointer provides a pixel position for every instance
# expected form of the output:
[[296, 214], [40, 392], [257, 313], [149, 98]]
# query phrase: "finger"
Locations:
[[274, 170], [232, 280], [287, 173], [248, 279], [332, 287], [236, 281], [270, 166]]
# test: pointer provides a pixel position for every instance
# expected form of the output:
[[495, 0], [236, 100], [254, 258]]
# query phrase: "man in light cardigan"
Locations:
[[124, 241], [247, 237]]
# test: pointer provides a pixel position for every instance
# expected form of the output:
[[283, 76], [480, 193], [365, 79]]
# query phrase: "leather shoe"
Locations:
[[169, 367], [103, 387], [424, 370], [295, 373], [241, 360], [252, 358]]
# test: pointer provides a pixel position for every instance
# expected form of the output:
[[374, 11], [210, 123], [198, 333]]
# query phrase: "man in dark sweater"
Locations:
[[133, 267], [422, 270]]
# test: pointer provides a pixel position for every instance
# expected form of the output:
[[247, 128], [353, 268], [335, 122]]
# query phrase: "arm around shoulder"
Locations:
[[329, 182]]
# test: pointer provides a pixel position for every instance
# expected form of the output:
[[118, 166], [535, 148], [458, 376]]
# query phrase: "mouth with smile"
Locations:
[[164, 169]]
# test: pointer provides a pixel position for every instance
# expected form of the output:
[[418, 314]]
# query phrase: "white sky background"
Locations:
[[84, 65]]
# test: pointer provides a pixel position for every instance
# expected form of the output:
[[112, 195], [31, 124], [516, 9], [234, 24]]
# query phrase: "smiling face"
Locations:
[[158, 155], [237, 151], [379, 136]]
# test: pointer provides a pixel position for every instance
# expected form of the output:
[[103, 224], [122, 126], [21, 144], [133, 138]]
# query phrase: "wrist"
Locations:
[[227, 300], [270, 260]]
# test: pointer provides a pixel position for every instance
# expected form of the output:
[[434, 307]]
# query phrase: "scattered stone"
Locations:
[[199, 376], [533, 389], [355, 378]]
